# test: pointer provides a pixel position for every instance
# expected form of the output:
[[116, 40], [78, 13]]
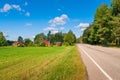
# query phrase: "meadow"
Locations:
[[41, 63]]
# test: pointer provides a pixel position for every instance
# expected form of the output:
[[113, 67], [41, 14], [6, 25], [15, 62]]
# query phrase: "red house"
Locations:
[[18, 44], [47, 43], [58, 43]]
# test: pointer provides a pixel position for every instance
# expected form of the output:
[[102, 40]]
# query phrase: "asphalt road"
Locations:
[[101, 63]]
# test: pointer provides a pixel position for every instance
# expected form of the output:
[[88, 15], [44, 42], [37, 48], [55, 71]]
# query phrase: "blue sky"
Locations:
[[27, 18]]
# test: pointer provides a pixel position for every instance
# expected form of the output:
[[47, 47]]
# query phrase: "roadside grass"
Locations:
[[68, 67], [41, 63]]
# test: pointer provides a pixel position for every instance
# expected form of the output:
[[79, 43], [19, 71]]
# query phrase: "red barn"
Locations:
[[47, 43], [18, 44], [58, 43]]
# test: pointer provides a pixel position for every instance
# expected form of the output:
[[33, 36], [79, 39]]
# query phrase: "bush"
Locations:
[[66, 44], [42, 44]]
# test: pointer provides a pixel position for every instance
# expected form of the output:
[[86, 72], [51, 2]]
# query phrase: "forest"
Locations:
[[105, 29], [41, 39]]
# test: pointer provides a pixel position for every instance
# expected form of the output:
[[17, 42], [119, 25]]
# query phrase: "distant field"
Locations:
[[41, 63]]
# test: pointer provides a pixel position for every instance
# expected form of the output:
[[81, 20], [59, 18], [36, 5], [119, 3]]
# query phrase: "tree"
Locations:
[[79, 39], [3, 41], [20, 39], [106, 26], [86, 34], [39, 38], [52, 39], [116, 20], [102, 13], [49, 36], [58, 37], [116, 28], [69, 38], [9, 42], [101, 31], [115, 7], [28, 42], [94, 36]]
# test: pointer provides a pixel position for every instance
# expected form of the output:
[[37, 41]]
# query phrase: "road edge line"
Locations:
[[96, 64]]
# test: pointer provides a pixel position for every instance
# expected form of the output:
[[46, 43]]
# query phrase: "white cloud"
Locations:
[[58, 20], [27, 14], [28, 24], [82, 29], [17, 7], [62, 28], [55, 31], [26, 3], [52, 29], [59, 9], [82, 25], [6, 8], [49, 29], [6, 33], [33, 36]]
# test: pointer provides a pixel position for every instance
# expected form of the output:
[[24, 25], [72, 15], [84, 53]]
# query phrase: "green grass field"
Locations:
[[41, 63]]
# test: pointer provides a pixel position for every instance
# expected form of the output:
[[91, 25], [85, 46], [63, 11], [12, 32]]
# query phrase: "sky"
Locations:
[[27, 18]]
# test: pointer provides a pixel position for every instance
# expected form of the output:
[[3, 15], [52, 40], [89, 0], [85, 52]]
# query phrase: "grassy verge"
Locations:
[[68, 67], [41, 63]]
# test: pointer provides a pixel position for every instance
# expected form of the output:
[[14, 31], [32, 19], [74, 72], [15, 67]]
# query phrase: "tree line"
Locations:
[[39, 40], [105, 29]]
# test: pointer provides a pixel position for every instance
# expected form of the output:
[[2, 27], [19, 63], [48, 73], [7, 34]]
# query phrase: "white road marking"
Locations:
[[96, 64]]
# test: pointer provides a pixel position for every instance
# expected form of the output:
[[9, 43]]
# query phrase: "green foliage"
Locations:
[[3, 41], [57, 37], [52, 38], [20, 39], [9, 42], [66, 43], [105, 28], [42, 44], [86, 34], [39, 38], [49, 36], [115, 7], [79, 40], [28, 42], [69, 38]]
